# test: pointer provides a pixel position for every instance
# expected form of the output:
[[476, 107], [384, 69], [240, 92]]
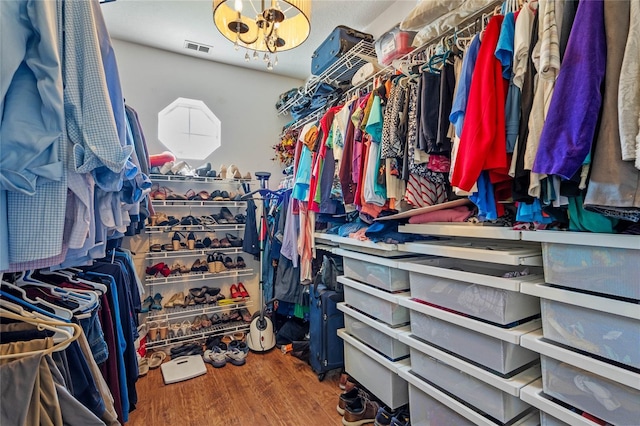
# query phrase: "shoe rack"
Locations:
[[168, 202]]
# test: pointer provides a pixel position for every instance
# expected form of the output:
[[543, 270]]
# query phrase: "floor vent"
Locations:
[[197, 47]]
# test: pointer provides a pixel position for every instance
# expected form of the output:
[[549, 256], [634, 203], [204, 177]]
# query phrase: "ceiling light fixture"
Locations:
[[275, 28]]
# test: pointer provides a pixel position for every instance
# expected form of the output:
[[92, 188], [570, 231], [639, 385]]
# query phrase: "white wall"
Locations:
[[390, 17], [242, 99]]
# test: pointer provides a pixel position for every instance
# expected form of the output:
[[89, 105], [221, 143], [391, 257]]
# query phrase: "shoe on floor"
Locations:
[[401, 419], [359, 412], [347, 398], [156, 359], [216, 357], [236, 356], [143, 367], [384, 416], [343, 380]]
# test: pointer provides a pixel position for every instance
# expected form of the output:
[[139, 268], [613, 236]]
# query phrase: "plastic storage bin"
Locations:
[[548, 420], [394, 44], [486, 302], [425, 410], [604, 270], [492, 401], [495, 354], [389, 346], [611, 401], [375, 271], [611, 336], [374, 302], [374, 372]]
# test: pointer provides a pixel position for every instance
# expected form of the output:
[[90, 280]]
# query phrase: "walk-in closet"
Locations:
[[320, 212]]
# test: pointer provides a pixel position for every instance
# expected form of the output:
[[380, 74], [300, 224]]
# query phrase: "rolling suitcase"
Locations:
[[339, 42], [326, 351]]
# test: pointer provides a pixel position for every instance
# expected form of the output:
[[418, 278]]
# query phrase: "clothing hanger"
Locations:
[[61, 330], [87, 301], [70, 274], [59, 311], [28, 306]]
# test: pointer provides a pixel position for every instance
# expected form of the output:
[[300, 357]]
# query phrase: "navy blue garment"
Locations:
[[84, 387], [251, 242], [128, 317], [93, 330]]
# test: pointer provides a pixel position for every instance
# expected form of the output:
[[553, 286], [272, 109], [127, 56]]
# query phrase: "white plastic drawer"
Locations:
[[474, 288], [376, 271], [508, 253], [374, 333], [604, 270], [611, 336], [459, 414], [375, 302], [549, 420], [493, 353], [492, 401], [605, 399], [533, 395], [375, 372], [425, 410]]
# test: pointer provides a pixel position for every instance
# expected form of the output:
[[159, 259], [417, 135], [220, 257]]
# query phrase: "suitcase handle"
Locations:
[[356, 33]]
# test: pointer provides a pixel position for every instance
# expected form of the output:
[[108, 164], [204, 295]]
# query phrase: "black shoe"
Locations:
[[203, 170], [384, 416]]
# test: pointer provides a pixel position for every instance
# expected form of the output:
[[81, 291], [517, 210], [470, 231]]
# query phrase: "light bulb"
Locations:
[[255, 55], [238, 6], [269, 66], [235, 45], [247, 58], [275, 62], [265, 58]]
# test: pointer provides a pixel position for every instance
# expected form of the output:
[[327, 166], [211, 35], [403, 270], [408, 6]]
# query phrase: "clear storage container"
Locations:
[[394, 44], [548, 420], [490, 303], [376, 271], [608, 400], [493, 353], [384, 343], [425, 410], [611, 336], [375, 302], [486, 398], [604, 270]]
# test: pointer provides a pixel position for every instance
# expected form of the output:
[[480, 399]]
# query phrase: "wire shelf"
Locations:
[[201, 334], [194, 228], [360, 54], [179, 254], [194, 179], [172, 314], [198, 276], [197, 203]]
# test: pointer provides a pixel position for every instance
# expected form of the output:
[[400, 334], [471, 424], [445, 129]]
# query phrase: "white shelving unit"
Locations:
[[161, 235]]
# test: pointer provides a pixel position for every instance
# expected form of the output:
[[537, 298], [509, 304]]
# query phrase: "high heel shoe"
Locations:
[[156, 269], [157, 302], [196, 266], [211, 264], [235, 294], [175, 241], [152, 332], [146, 305], [174, 329], [197, 323], [243, 291], [191, 241], [220, 267], [185, 326], [175, 301], [163, 330]]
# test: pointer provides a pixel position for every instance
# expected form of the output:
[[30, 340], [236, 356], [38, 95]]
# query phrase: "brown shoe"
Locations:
[[359, 412], [347, 398]]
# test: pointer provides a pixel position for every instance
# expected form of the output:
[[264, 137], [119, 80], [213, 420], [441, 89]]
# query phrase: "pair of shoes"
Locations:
[[157, 299], [159, 268], [238, 344], [215, 356], [245, 314], [156, 359], [234, 241], [203, 170], [177, 300], [236, 357], [146, 304], [186, 349], [179, 268], [215, 263], [166, 168], [360, 411], [156, 330], [199, 266], [231, 172], [238, 291]]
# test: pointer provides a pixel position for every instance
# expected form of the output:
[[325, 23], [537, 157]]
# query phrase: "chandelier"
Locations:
[[278, 25]]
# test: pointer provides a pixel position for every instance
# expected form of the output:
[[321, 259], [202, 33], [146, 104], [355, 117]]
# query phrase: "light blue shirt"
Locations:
[[459, 107]]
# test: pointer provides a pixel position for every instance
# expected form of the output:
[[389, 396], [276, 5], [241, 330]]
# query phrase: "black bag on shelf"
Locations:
[[339, 42]]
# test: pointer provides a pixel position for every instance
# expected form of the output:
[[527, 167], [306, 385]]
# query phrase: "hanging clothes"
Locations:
[[482, 144], [614, 184]]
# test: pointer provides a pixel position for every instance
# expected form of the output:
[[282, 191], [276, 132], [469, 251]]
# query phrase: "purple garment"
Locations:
[[570, 127]]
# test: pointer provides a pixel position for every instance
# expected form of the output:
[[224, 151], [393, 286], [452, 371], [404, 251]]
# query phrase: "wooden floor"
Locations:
[[270, 389]]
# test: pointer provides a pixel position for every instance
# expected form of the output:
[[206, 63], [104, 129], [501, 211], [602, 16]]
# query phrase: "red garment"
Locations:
[[318, 164], [482, 143]]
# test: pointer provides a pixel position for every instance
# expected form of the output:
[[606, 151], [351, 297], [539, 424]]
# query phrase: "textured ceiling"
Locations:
[[166, 24]]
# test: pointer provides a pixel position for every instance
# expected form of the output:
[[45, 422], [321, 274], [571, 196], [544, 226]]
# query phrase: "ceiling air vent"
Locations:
[[197, 47]]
